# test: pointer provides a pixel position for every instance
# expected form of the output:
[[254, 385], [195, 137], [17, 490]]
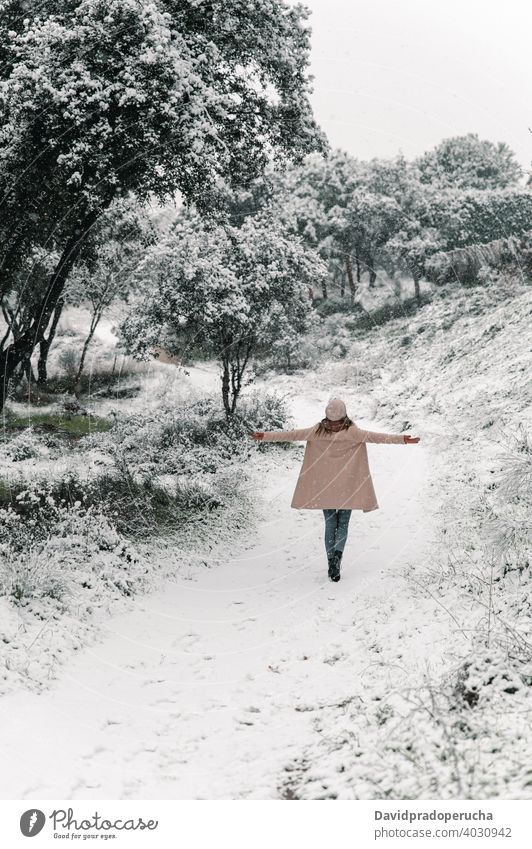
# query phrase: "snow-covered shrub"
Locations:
[[190, 438], [509, 530], [484, 275], [136, 504], [162, 467], [169, 440], [192, 443], [25, 445], [478, 263], [288, 355], [287, 349], [140, 505], [31, 576], [69, 406], [305, 355], [260, 411], [58, 564], [331, 339], [54, 549], [65, 330]]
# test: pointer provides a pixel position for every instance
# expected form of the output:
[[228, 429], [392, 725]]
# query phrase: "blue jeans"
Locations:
[[336, 524]]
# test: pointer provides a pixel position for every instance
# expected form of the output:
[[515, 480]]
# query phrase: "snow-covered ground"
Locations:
[[208, 687], [249, 675]]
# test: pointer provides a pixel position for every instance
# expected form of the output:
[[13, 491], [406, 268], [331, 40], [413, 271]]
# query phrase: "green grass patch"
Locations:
[[105, 384], [75, 426]]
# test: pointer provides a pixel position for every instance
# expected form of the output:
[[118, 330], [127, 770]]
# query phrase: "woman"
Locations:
[[335, 475]]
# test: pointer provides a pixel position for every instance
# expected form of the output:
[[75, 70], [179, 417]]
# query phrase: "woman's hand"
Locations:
[[411, 440], [257, 435]]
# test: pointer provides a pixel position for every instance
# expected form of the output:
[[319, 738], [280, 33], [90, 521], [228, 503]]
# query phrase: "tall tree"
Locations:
[[100, 98], [227, 292], [347, 209], [467, 162]]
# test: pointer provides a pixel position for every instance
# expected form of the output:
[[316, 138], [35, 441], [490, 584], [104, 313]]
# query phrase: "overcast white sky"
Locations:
[[396, 75]]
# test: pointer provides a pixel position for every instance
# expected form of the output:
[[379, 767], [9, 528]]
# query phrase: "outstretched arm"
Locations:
[[362, 435], [282, 435]]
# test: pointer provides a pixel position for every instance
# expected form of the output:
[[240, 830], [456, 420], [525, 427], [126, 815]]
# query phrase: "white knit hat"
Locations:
[[335, 410]]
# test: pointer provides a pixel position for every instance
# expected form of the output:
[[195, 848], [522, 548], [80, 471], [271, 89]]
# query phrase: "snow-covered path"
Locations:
[[206, 688]]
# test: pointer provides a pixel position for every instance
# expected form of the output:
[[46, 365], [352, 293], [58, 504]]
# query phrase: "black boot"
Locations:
[[334, 566], [331, 560]]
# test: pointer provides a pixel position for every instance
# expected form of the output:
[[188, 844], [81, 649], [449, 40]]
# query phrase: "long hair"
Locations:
[[323, 426]]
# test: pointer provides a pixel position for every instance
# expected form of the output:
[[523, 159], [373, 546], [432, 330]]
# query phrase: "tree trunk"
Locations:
[[372, 276], [324, 290], [357, 261], [342, 284], [95, 320], [28, 371], [349, 270], [22, 348], [397, 286], [225, 387], [417, 291], [44, 347], [23, 370], [233, 368]]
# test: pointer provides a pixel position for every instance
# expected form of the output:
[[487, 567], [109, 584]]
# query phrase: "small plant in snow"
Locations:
[[25, 445], [33, 576], [70, 406]]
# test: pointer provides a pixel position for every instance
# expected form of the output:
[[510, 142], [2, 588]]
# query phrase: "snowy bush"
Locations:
[[189, 438], [508, 530], [58, 564], [70, 406], [478, 263], [136, 504], [260, 411], [31, 576], [162, 467], [57, 550], [25, 445]]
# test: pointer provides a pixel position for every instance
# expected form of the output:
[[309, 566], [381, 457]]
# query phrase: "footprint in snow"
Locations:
[[97, 751]]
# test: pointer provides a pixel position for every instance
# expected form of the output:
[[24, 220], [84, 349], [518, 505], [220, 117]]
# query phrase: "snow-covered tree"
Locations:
[[100, 98], [475, 216], [443, 221], [226, 292], [410, 249], [467, 162], [108, 274], [348, 209]]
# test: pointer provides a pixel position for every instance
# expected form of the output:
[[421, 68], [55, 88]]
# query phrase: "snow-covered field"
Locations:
[[248, 675]]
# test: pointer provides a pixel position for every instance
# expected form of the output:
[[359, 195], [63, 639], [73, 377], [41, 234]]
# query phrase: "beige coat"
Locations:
[[335, 471]]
